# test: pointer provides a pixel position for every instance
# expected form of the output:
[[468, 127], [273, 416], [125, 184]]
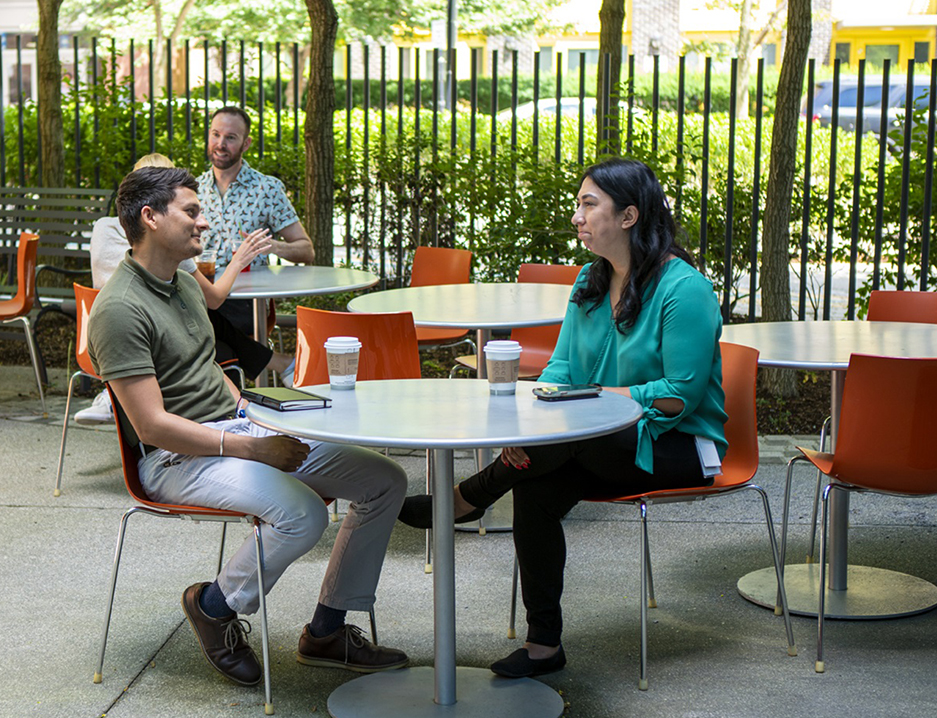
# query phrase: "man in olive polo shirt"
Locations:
[[150, 338]]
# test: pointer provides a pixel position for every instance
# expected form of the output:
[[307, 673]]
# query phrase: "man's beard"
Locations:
[[224, 164]]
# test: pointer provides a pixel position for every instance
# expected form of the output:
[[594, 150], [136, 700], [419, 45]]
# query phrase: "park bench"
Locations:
[[63, 218]]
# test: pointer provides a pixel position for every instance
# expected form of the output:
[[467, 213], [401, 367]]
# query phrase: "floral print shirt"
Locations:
[[253, 200]]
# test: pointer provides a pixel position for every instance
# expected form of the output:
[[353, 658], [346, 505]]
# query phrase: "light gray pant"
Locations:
[[293, 512]]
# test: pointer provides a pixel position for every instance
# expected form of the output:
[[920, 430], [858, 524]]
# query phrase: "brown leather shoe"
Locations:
[[222, 640], [348, 648]]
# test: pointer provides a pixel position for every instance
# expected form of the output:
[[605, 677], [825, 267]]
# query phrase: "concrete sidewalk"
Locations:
[[711, 652]]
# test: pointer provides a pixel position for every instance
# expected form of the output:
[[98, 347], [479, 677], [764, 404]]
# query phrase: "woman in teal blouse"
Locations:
[[642, 322]]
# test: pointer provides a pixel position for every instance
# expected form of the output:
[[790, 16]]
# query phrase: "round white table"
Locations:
[[444, 415], [482, 307], [275, 282], [857, 592]]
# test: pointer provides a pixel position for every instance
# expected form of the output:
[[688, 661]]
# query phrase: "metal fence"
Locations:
[[876, 217]]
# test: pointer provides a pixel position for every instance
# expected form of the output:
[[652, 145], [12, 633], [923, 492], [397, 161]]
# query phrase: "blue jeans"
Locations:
[[293, 512]]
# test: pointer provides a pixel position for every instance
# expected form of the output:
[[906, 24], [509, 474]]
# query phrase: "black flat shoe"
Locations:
[[520, 665], [417, 511]]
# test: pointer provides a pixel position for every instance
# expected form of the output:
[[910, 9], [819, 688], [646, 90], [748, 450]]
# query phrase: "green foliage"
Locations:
[[511, 202]]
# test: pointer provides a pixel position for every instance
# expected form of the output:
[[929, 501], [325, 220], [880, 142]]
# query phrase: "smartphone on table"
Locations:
[[566, 392]]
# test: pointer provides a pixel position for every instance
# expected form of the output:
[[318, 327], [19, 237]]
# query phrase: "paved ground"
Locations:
[[711, 652]]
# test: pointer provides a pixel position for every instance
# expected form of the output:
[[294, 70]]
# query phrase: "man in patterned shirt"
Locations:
[[237, 199]]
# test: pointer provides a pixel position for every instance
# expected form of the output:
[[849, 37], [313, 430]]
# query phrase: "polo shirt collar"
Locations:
[[160, 286]]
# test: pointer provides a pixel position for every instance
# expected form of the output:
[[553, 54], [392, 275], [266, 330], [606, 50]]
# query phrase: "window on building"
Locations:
[[922, 52], [876, 54], [843, 52], [770, 53], [546, 58]]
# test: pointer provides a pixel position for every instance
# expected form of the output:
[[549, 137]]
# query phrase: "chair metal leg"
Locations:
[[512, 622], [820, 666], [68, 404], [642, 676], [651, 600], [33, 357], [785, 517], [265, 637], [824, 435], [334, 515], [778, 566], [373, 626], [224, 533], [99, 673]]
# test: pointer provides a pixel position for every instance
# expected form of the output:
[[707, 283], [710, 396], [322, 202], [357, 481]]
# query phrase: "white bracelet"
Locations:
[[221, 444]]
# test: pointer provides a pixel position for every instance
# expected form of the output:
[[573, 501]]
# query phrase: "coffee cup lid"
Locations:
[[342, 343], [502, 345]]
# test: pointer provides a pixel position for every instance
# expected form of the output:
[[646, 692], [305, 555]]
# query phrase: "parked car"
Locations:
[[569, 106], [872, 102]]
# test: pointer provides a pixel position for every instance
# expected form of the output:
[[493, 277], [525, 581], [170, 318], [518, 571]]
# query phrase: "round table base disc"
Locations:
[[408, 693], [871, 593]]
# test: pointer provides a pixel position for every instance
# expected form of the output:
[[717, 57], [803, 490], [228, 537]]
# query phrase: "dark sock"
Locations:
[[212, 602], [326, 621]]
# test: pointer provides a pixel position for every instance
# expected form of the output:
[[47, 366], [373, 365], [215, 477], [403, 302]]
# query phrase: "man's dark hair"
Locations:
[[153, 187], [234, 110]]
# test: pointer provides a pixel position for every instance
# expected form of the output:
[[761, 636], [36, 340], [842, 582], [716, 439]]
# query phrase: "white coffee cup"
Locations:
[[342, 356], [503, 360]]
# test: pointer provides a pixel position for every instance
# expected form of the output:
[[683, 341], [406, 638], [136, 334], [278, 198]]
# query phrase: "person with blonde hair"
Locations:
[[108, 247]]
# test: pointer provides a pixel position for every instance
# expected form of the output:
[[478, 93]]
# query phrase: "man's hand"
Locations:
[[281, 452]]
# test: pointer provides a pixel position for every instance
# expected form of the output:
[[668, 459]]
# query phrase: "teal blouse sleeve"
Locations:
[[690, 328]]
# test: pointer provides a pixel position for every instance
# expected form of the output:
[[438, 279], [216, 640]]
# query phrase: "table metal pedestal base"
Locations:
[[408, 693], [871, 593]]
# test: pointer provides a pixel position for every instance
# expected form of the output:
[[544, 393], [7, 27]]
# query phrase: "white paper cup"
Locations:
[[342, 356], [503, 360]]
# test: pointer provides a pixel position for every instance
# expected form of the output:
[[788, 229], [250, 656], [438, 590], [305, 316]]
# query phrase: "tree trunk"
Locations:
[[51, 131], [775, 257], [743, 51], [611, 24], [319, 133]]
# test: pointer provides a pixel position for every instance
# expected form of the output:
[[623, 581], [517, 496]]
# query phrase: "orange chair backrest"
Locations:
[[22, 302], [440, 265], [389, 348], [539, 342], [549, 273], [84, 298], [894, 306], [886, 428], [739, 374]]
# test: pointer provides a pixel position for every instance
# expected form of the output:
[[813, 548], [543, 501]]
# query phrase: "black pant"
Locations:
[[232, 343], [559, 477]]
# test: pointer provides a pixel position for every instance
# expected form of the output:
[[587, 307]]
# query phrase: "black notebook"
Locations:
[[284, 399]]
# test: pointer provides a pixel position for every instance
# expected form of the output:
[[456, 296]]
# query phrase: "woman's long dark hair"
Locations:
[[653, 236]]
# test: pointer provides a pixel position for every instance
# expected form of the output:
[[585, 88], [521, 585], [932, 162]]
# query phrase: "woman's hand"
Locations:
[[516, 457], [254, 244]]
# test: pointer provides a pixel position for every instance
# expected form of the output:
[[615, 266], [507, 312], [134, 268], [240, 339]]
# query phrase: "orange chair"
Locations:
[[388, 347], [894, 306], [537, 343], [17, 308], [128, 458], [388, 344], [84, 297], [440, 265], [739, 368], [884, 306], [884, 440]]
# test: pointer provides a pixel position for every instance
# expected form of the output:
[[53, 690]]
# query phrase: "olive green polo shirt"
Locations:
[[141, 325]]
